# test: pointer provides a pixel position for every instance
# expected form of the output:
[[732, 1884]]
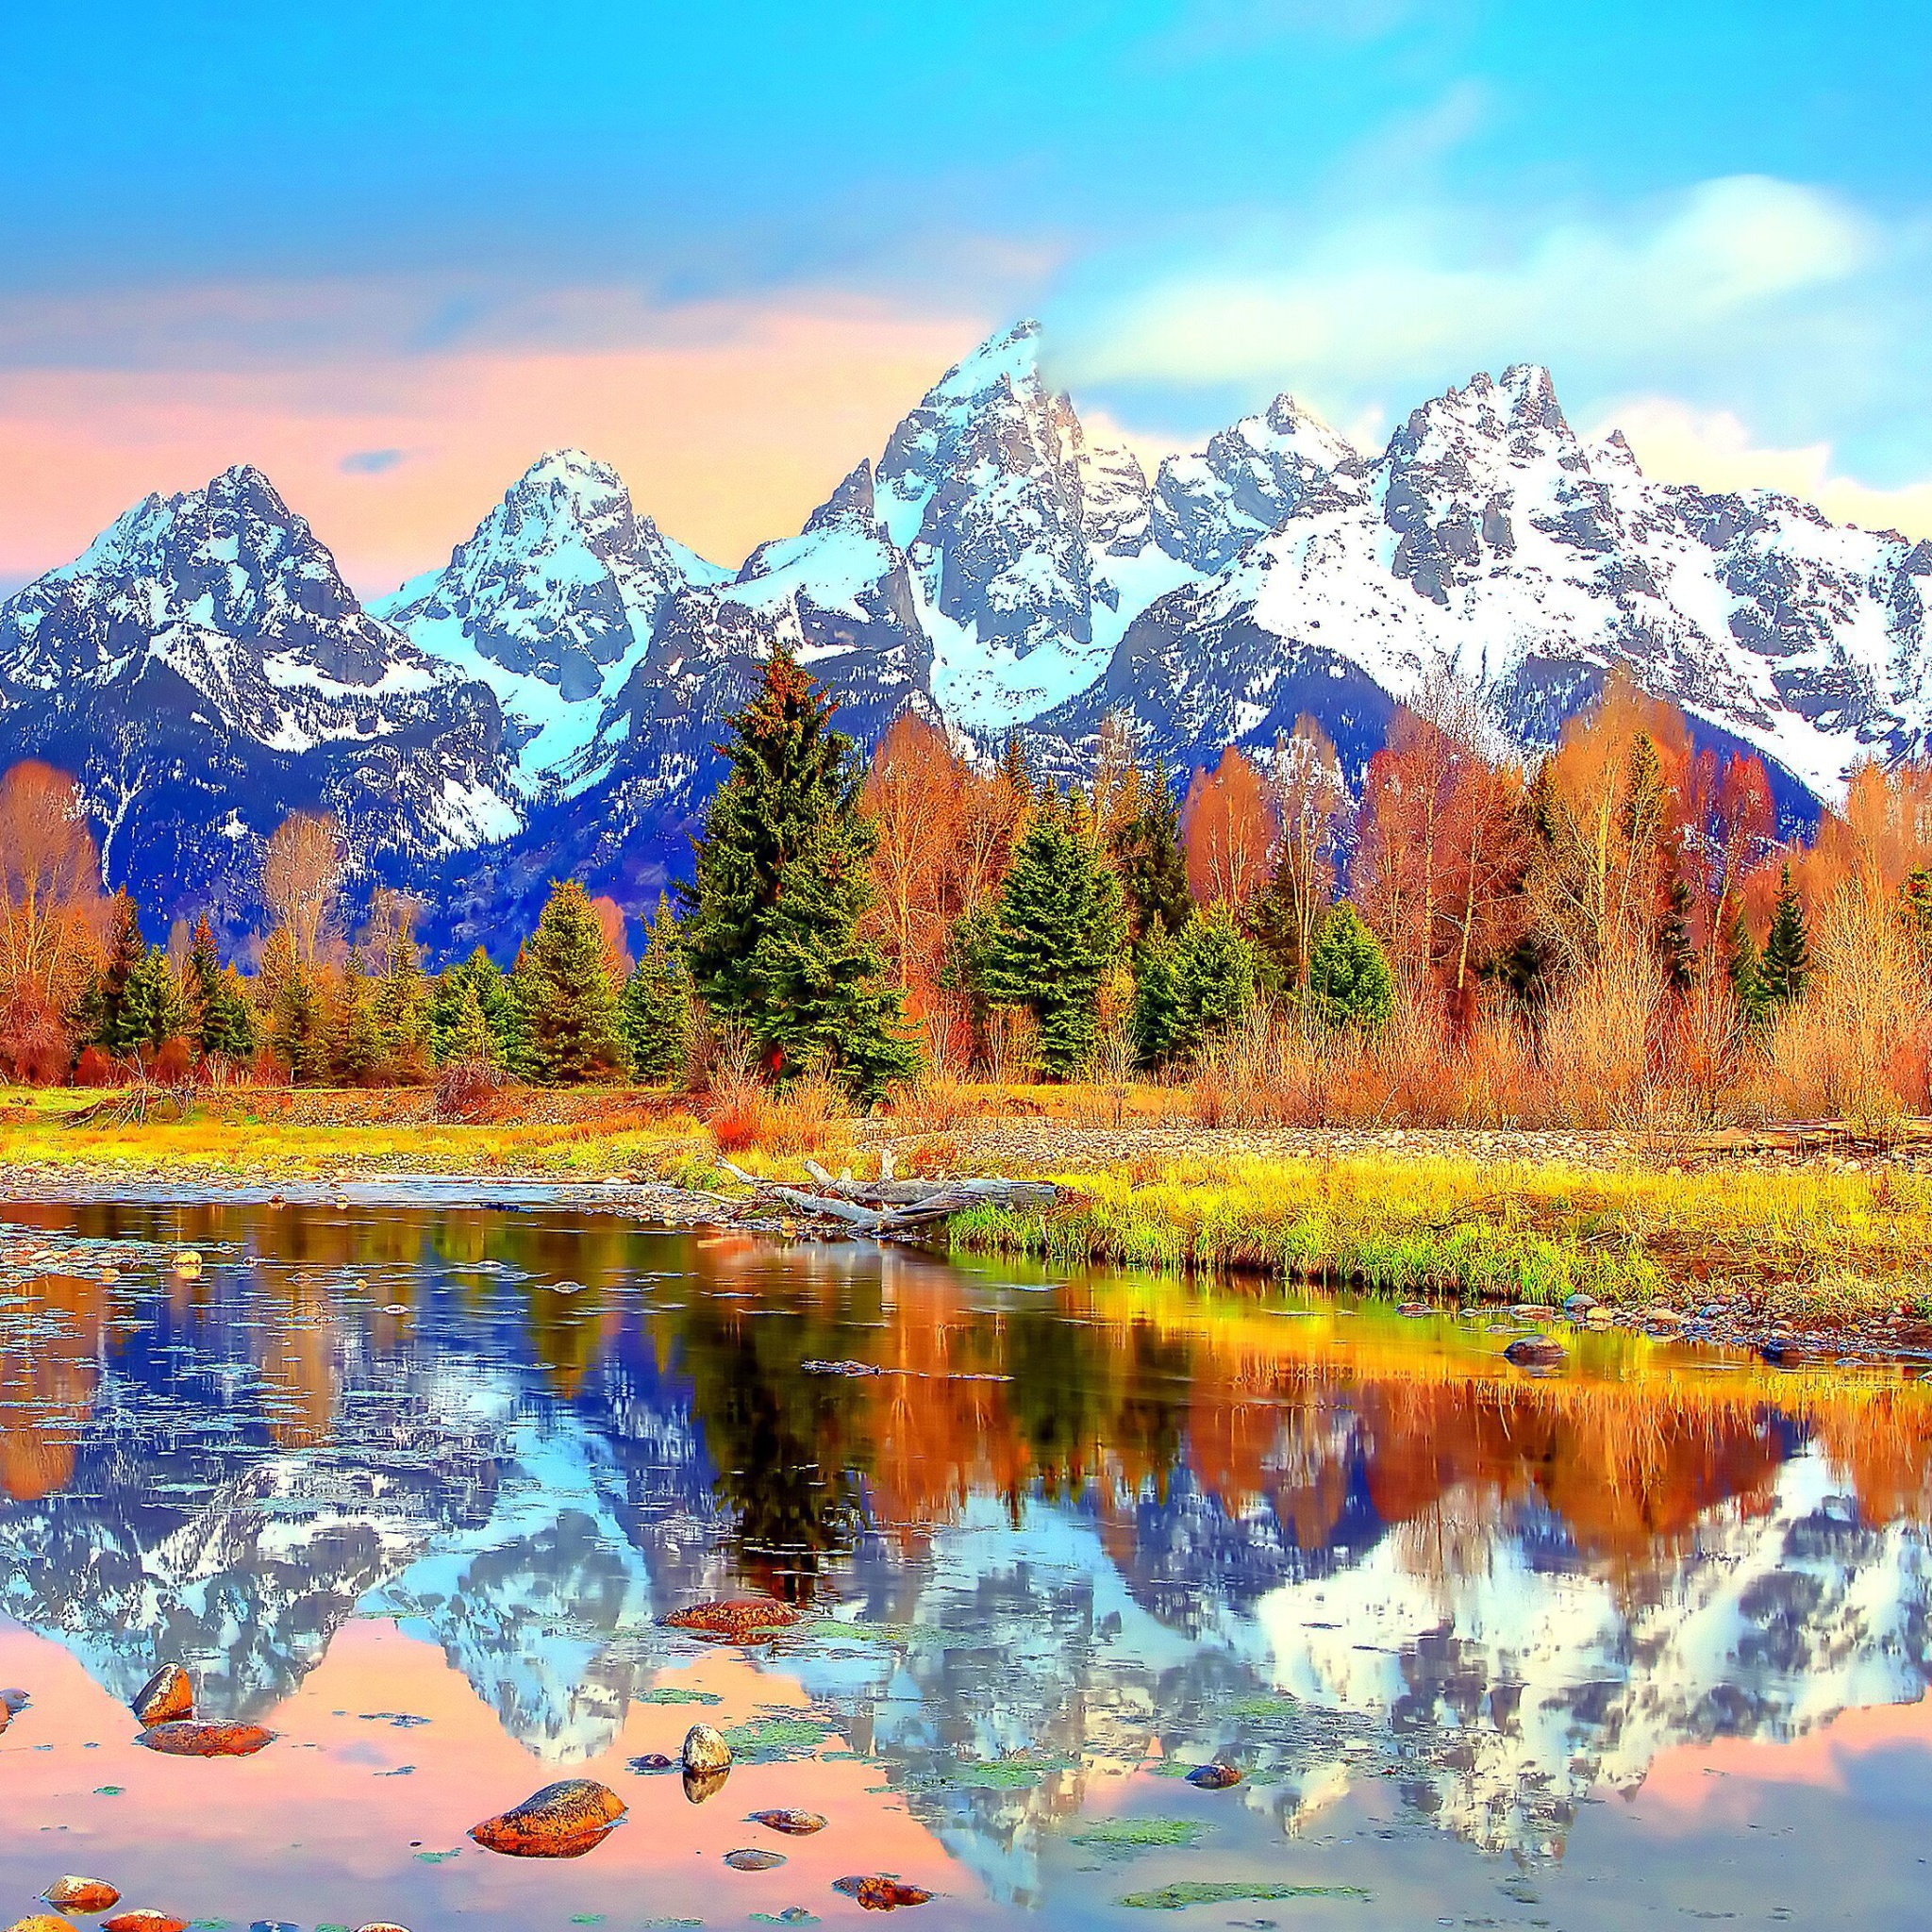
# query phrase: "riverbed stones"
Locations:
[[1214, 1778], [562, 1821], [195, 1737], [42, 1921], [792, 1823], [1535, 1352], [754, 1858], [89, 1895], [704, 1751], [144, 1919], [734, 1620]]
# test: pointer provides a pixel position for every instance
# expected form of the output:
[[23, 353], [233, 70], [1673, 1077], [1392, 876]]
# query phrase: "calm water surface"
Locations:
[[1635, 1643]]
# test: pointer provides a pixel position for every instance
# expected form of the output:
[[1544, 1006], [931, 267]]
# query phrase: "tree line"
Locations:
[[869, 919]]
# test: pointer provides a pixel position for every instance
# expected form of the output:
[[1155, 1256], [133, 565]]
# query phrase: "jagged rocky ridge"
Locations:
[[550, 699]]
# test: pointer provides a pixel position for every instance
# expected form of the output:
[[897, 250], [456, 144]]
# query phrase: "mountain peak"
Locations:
[[1010, 356], [851, 506]]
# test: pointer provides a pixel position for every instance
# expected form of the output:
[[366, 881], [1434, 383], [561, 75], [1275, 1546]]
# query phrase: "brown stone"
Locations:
[[562, 1821], [193, 1738], [737, 1619], [145, 1920], [793, 1824], [82, 1895], [881, 1894], [166, 1695]]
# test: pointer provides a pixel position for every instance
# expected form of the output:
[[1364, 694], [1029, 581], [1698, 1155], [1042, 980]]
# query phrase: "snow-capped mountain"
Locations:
[[1491, 541], [551, 604], [203, 670], [551, 700]]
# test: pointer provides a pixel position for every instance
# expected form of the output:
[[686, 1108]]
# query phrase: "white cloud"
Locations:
[[1678, 443], [1397, 298]]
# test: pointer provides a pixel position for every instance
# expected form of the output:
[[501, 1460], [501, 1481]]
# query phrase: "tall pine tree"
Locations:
[[1787, 963], [1745, 970], [1058, 933], [103, 1020], [219, 1018], [568, 1003], [1147, 855], [781, 884], [654, 1015], [1192, 986]]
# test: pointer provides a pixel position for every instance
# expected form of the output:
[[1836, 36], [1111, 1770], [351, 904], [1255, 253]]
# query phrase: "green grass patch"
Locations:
[[1174, 1898]]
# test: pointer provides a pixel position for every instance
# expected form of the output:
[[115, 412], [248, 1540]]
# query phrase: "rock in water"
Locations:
[[42, 1921], [188, 1261], [652, 1760], [193, 1738], [793, 1824], [166, 1695], [1214, 1778], [881, 1894], [562, 1821], [738, 1620], [144, 1919], [82, 1895], [704, 1751], [14, 1700], [381, 1925], [1534, 1352], [752, 1860], [700, 1785]]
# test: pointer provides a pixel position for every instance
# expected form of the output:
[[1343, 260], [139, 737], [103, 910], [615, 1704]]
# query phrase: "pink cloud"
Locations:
[[729, 431]]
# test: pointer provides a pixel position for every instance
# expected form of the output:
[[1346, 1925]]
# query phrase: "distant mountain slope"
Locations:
[[550, 701], [203, 670], [1490, 540]]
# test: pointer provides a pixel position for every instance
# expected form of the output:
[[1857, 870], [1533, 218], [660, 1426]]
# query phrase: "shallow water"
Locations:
[[1639, 1641]]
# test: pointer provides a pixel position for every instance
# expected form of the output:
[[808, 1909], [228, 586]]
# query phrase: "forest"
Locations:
[[1612, 933]]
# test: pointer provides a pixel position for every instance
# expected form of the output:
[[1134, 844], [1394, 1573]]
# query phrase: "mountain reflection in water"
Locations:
[[1062, 1533]]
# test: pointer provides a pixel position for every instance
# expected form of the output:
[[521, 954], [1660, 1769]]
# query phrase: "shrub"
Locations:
[[467, 1089], [95, 1069], [1349, 982]]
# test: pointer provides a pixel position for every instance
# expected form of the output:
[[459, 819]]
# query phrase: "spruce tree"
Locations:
[[1191, 987], [1058, 933], [1273, 922], [355, 1038], [1349, 981], [1745, 970], [1787, 963], [654, 1016], [402, 1013], [103, 1020], [152, 1012], [297, 1025], [781, 884], [466, 1034], [219, 1019], [565, 993], [1147, 855]]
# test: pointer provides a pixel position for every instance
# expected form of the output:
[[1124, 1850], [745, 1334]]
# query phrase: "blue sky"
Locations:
[[1715, 219]]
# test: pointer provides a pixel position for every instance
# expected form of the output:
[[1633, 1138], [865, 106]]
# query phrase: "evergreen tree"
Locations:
[[402, 1013], [219, 1019], [466, 1036], [103, 1020], [355, 1044], [1014, 769], [1673, 952], [1745, 970], [1349, 981], [565, 993], [1787, 964], [654, 1016], [1272, 920], [1147, 855], [1058, 933], [1192, 986], [152, 1012], [781, 886], [298, 1031]]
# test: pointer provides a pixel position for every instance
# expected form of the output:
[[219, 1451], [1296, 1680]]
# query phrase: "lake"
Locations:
[[1633, 1642]]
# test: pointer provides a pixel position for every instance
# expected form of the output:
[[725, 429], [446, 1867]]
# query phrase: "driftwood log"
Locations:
[[892, 1209]]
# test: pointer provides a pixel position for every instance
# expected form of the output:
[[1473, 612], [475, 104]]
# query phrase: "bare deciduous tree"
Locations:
[[302, 881], [51, 907]]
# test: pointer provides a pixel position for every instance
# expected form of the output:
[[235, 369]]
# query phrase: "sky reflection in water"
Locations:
[[415, 1487]]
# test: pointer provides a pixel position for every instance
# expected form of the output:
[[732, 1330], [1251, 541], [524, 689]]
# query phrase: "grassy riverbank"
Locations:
[[1513, 1218], [1809, 1243]]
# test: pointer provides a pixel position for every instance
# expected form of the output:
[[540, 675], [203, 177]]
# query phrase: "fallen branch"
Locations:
[[889, 1209]]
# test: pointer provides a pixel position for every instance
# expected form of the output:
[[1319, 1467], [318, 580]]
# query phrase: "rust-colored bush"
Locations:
[[172, 1062], [95, 1069], [468, 1090], [34, 1046]]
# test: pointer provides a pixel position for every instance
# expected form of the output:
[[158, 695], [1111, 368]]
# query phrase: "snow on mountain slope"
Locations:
[[1488, 539], [202, 669], [551, 603]]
